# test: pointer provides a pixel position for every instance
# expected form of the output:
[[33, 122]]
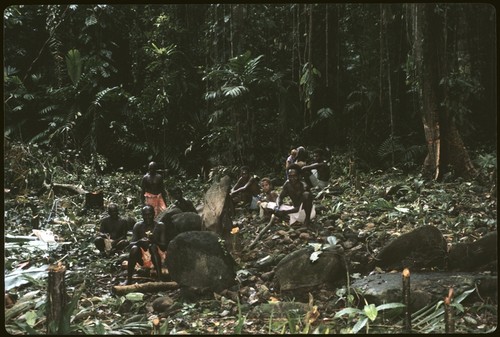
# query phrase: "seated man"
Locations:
[[246, 189], [148, 236], [317, 174], [112, 232], [302, 209], [182, 204]]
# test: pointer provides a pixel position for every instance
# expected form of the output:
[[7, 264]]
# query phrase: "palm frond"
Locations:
[[74, 65], [234, 91]]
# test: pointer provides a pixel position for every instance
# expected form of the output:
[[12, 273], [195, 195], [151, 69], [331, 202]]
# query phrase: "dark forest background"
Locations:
[[195, 86]]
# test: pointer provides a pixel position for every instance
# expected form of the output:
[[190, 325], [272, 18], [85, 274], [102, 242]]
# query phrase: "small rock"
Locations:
[[267, 276], [162, 304], [348, 244], [304, 236]]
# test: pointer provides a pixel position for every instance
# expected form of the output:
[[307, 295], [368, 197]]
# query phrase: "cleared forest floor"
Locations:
[[362, 215]]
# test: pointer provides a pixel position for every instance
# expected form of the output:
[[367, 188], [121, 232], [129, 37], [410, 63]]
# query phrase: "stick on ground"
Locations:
[[254, 242], [149, 287]]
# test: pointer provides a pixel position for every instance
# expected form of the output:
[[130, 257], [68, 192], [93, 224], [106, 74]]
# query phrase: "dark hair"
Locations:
[[295, 167], [319, 151], [112, 208], [244, 168], [175, 191], [152, 166], [146, 207], [301, 154], [266, 179]]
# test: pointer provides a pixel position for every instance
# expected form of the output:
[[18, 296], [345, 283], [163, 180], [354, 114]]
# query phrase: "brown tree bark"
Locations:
[[149, 287], [446, 149], [56, 298]]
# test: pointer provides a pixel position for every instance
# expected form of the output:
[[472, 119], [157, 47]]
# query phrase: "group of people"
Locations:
[[148, 244], [300, 179]]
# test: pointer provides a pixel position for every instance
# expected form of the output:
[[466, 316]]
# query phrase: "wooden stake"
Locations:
[[56, 298], [406, 301], [449, 323]]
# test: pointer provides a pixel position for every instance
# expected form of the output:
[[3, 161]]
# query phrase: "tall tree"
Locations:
[[444, 144]]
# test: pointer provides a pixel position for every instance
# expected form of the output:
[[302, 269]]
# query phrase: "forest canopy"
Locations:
[[177, 84]]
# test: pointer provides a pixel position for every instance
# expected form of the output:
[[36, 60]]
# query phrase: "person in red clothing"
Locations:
[[148, 236], [152, 189]]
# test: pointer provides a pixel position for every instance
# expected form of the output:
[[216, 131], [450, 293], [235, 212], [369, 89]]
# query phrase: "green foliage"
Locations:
[[486, 162], [406, 156], [238, 329], [70, 71], [368, 314], [74, 65], [309, 81], [238, 87]]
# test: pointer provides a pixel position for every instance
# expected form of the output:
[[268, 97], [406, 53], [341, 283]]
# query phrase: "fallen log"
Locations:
[[65, 187], [149, 287]]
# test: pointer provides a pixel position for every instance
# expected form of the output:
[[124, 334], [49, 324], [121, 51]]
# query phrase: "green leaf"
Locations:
[[463, 295], [348, 311], [390, 306], [74, 65], [134, 297], [370, 311], [359, 325], [31, 317]]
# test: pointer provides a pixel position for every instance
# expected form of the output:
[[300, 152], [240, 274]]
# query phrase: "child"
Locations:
[[267, 195], [291, 158]]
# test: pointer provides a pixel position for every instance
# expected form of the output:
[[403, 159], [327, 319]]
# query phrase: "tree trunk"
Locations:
[[444, 144]]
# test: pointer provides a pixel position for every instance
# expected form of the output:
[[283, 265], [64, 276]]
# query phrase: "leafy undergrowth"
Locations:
[[362, 215]]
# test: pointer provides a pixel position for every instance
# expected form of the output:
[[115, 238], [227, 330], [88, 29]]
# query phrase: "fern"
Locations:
[[412, 153], [101, 94], [390, 146], [48, 109]]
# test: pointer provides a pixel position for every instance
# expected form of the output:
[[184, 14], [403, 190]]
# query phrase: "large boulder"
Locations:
[[475, 256], [180, 223], [199, 260], [306, 269], [166, 215], [426, 287], [218, 208], [421, 248]]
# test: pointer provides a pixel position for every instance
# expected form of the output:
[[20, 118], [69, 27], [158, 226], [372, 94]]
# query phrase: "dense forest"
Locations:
[[401, 97], [127, 84]]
